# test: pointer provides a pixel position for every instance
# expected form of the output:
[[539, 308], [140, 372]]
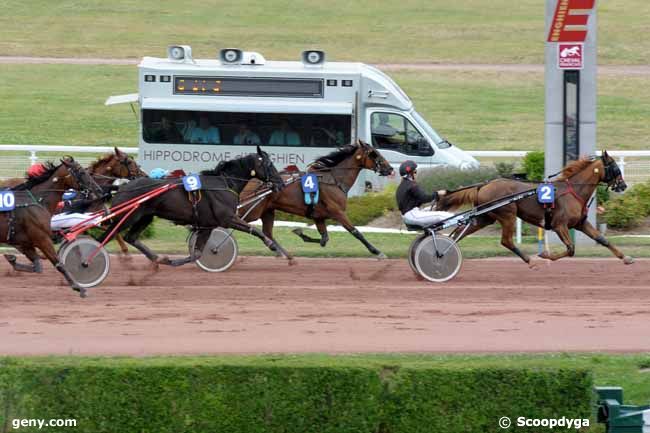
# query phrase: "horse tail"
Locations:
[[456, 199]]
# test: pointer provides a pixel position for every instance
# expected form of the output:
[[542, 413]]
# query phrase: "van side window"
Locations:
[[395, 132], [246, 129]]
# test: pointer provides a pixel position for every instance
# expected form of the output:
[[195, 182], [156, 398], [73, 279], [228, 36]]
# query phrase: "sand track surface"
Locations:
[[330, 305]]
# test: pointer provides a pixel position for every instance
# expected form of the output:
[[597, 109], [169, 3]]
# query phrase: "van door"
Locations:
[[398, 139]]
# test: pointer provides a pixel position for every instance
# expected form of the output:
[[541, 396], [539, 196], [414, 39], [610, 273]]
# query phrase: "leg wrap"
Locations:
[[520, 254], [601, 240]]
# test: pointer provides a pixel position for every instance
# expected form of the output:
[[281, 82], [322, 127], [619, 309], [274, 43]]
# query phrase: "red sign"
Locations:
[[570, 20], [569, 56]]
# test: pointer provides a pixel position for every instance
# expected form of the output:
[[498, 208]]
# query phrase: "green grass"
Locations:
[[171, 239], [467, 31], [629, 371], [63, 104]]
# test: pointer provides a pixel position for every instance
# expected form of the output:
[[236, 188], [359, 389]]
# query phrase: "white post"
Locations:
[[32, 157], [518, 235], [621, 165]]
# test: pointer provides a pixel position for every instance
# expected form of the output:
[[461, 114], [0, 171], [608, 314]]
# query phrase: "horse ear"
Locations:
[[605, 155], [118, 152], [259, 150]]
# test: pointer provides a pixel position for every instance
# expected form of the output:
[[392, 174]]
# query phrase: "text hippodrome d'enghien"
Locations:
[[570, 20]]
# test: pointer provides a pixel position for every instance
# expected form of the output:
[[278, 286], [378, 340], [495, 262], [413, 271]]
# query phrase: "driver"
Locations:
[[410, 196]]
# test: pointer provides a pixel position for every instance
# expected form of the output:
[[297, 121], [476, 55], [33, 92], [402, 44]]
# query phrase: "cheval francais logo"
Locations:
[[569, 56]]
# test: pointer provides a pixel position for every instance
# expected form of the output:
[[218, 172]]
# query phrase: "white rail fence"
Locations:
[[16, 158]]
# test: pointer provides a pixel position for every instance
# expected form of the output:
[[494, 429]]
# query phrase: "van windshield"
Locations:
[[440, 143]]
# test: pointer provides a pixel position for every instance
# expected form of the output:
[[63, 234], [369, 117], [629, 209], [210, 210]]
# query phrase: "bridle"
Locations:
[[85, 181], [612, 174]]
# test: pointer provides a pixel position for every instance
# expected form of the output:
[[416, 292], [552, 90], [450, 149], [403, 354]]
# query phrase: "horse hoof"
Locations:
[[292, 261], [164, 261], [628, 260], [82, 293], [126, 257], [381, 256], [544, 255], [10, 258]]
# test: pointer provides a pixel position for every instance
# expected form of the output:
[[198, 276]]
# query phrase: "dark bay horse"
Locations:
[[337, 173], [575, 185], [217, 206], [27, 227]]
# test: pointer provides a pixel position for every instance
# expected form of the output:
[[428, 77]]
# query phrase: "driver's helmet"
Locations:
[[36, 170], [158, 173], [407, 168], [69, 195]]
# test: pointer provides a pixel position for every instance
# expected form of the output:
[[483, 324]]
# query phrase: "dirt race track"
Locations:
[[330, 305]]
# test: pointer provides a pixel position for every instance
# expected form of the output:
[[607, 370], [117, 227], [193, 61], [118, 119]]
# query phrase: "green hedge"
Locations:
[[451, 178], [212, 395], [629, 209]]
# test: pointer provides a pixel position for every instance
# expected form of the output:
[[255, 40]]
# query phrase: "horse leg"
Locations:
[[31, 254], [135, 231], [342, 218], [305, 238], [241, 225], [44, 243], [268, 219], [322, 229], [565, 237], [124, 248], [508, 222], [586, 228]]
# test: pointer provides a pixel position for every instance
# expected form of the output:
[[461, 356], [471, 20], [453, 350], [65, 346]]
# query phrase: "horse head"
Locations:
[[371, 159], [117, 165], [611, 174], [264, 170], [72, 175]]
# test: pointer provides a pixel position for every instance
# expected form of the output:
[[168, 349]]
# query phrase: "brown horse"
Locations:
[[336, 172], [575, 185], [105, 171], [27, 227]]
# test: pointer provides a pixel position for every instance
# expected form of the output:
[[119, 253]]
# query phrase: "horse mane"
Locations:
[[101, 160], [575, 167], [224, 167], [36, 180], [334, 158]]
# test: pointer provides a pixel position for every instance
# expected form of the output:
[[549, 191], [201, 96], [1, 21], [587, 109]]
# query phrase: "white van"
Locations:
[[195, 113]]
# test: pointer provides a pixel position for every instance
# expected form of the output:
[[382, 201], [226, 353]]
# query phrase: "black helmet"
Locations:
[[407, 168]]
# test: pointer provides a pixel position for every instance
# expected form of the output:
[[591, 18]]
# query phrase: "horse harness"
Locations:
[[611, 174], [11, 221]]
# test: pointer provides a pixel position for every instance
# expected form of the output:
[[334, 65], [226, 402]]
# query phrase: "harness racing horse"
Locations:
[[27, 227], [106, 170], [575, 185], [216, 207], [336, 173]]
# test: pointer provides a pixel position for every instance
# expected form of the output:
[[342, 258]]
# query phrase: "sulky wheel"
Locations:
[[412, 248], [74, 257], [440, 263], [219, 253]]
